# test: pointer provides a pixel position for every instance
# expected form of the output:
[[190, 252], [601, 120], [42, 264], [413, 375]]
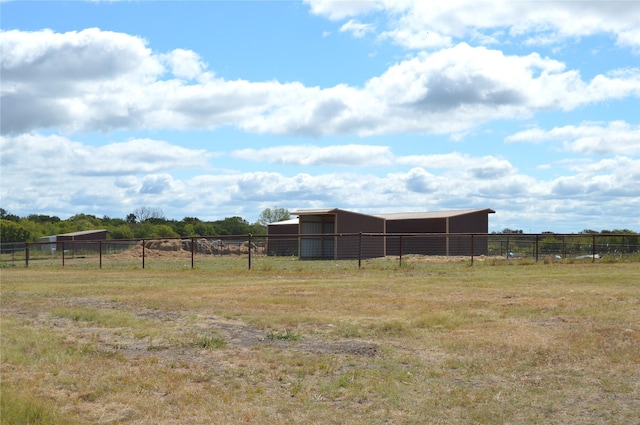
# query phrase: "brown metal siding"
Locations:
[[477, 222], [74, 241], [415, 244], [94, 236], [469, 223], [282, 245], [350, 222], [428, 225]]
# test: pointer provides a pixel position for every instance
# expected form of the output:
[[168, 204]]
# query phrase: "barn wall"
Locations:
[[279, 245], [74, 241], [477, 222], [415, 244], [348, 247]]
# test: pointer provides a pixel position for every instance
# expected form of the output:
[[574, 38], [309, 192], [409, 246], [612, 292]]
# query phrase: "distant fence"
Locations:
[[250, 249]]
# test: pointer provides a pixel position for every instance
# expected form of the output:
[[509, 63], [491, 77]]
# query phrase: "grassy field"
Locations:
[[323, 343]]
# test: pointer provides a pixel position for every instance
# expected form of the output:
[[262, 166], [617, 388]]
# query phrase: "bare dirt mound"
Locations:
[[136, 252]]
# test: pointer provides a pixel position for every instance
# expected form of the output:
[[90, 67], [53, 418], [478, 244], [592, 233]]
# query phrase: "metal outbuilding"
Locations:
[[74, 240], [454, 225]]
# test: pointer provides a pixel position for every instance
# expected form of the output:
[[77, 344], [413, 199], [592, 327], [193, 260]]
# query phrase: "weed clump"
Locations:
[[286, 335], [209, 342]]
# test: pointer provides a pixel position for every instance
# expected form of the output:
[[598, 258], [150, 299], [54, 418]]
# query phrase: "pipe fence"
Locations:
[[247, 251]]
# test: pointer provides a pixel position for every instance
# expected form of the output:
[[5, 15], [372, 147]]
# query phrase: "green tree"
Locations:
[[41, 218], [273, 215], [5, 215], [10, 231], [164, 231], [232, 226], [122, 232], [81, 222]]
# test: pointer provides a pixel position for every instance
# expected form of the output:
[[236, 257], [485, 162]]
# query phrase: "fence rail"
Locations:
[[188, 252]]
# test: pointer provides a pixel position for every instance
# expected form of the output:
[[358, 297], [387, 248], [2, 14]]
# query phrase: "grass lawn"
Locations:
[[318, 343]]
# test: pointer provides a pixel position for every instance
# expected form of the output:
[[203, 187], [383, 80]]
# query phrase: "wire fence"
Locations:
[[249, 251]]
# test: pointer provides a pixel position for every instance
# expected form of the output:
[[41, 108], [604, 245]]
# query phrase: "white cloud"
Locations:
[[617, 177], [54, 175], [184, 63], [116, 83], [59, 155], [356, 28], [301, 155], [615, 137], [480, 168], [449, 91], [339, 9], [420, 24]]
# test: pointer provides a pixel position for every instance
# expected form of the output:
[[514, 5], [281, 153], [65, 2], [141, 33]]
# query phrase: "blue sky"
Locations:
[[215, 109]]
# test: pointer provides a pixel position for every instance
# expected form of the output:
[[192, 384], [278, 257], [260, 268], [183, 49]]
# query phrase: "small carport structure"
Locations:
[[80, 240], [319, 230], [282, 239], [74, 240]]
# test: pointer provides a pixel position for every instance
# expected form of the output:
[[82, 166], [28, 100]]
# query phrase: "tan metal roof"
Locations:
[[83, 232], [399, 216], [284, 222], [430, 214], [315, 211]]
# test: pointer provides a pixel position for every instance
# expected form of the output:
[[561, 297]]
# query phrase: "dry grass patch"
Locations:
[[430, 343]]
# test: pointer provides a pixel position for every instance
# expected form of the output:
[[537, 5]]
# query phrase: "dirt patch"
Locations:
[[182, 332], [413, 258]]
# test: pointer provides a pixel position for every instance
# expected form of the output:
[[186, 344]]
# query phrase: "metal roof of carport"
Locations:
[[284, 222], [431, 214], [315, 211], [83, 232]]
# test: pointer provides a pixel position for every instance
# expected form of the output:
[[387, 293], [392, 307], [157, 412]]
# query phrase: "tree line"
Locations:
[[143, 222], [148, 222]]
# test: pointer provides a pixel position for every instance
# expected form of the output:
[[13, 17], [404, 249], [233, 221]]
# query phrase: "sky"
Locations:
[[214, 109]]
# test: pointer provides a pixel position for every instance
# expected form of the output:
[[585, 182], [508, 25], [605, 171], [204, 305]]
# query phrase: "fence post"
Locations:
[[400, 248], [359, 250], [536, 248], [193, 242], [26, 254], [593, 249], [249, 251], [143, 253], [507, 248], [100, 250], [63, 254], [472, 249]]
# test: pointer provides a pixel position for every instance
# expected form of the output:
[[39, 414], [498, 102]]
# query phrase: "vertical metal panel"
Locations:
[[318, 247], [350, 222], [477, 222], [278, 245], [415, 244]]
